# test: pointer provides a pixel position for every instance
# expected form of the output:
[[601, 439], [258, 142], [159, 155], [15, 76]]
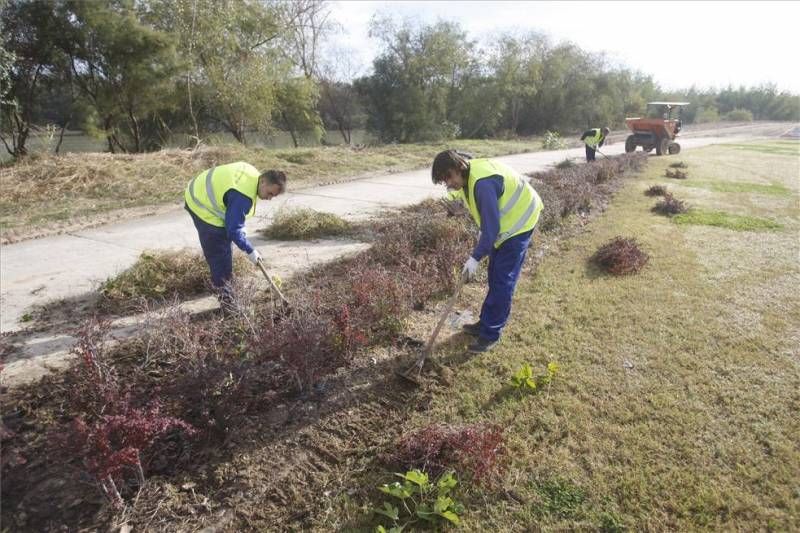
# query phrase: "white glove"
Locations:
[[470, 268], [254, 256]]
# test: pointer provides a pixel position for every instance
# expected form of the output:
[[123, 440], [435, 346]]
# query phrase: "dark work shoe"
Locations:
[[472, 329], [481, 345]]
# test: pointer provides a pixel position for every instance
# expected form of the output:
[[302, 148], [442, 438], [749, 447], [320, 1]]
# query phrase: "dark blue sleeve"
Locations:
[[236, 207], [487, 193]]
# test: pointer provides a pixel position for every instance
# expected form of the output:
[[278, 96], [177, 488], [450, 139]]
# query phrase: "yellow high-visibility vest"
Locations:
[[595, 139], [204, 193], [519, 204]]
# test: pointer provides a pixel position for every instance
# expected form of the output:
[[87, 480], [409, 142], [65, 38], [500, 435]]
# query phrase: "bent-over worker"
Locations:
[[506, 208], [594, 139], [219, 201]]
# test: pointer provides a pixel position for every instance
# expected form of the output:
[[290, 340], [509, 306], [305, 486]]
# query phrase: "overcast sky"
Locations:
[[709, 44]]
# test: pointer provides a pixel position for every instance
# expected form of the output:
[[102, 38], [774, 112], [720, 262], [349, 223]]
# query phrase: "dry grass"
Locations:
[[45, 190], [304, 223], [157, 276]]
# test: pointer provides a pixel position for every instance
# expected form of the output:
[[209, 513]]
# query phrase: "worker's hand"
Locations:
[[254, 256], [470, 268]]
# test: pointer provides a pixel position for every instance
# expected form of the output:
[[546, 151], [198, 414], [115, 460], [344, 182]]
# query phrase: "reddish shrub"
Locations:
[[573, 189], [676, 174], [620, 256], [117, 441], [476, 450], [670, 206], [108, 432], [656, 190]]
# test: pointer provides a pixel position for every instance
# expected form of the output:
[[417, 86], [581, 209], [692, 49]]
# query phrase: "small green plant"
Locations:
[[553, 141], [419, 500], [523, 379]]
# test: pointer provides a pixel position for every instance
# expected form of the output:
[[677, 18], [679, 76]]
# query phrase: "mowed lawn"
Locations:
[[677, 406]]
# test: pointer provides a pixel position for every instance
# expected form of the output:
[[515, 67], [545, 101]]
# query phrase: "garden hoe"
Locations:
[[601, 153], [286, 307], [413, 372]]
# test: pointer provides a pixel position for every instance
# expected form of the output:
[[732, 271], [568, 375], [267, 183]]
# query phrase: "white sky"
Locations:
[[708, 44]]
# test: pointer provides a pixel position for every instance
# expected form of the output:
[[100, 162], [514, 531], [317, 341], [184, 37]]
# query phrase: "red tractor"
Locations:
[[658, 130]]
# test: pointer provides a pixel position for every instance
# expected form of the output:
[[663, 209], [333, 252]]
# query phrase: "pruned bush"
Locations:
[[303, 223], [159, 275], [676, 174], [573, 189], [679, 164], [620, 256], [109, 432], [656, 190], [476, 450], [670, 206]]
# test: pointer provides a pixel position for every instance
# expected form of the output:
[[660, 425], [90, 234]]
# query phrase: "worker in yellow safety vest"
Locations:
[[219, 201], [506, 208], [594, 138]]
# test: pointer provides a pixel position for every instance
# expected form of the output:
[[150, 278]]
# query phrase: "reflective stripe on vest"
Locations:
[[214, 210], [517, 195], [520, 222]]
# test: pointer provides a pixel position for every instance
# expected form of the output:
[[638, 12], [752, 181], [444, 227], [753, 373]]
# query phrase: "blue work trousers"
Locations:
[[505, 264], [217, 250], [589, 153]]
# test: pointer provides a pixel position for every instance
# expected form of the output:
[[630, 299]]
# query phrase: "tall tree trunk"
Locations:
[[290, 128], [135, 132], [61, 134]]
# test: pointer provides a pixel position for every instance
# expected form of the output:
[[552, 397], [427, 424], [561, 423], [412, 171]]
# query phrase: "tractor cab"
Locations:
[[658, 129]]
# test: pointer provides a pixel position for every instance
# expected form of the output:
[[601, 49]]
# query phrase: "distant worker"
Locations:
[[219, 200], [594, 139], [506, 208]]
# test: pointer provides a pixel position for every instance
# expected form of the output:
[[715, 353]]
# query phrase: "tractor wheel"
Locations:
[[674, 148], [662, 147], [630, 144]]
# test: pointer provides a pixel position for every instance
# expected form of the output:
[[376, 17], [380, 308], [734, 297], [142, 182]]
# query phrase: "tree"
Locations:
[[516, 64], [123, 68], [30, 58], [339, 103], [296, 108], [410, 95]]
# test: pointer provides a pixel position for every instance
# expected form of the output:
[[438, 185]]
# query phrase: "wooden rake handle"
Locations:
[[271, 283], [449, 307]]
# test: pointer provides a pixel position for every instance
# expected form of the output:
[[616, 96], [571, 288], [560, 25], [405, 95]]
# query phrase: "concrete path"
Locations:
[[40, 270]]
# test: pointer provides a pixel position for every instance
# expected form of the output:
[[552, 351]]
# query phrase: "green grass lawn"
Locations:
[[676, 407]]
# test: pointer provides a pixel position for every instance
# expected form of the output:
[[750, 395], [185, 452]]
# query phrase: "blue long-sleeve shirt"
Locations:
[[487, 195], [237, 205]]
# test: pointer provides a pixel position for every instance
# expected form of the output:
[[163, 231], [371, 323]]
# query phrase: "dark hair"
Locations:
[[449, 160], [275, 177]]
